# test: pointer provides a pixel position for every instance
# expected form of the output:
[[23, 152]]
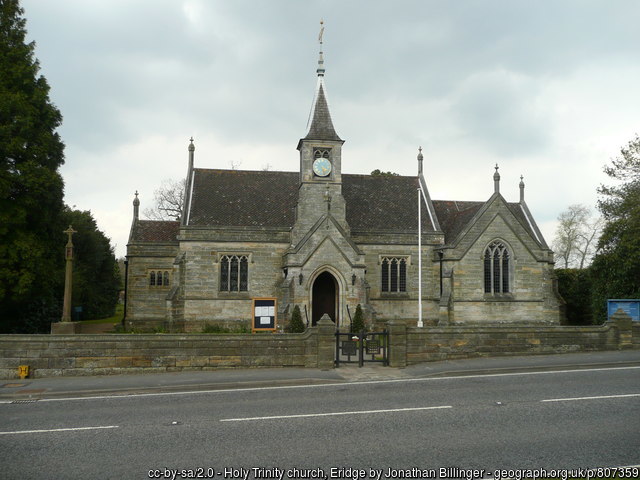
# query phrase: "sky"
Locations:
[[547, 90]]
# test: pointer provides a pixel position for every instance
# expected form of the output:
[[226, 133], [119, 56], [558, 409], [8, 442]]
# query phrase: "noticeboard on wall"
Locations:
[[629, 306], [264, 314]]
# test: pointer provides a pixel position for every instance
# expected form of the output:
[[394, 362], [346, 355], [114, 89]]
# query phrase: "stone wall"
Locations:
[[55, 355], [70, 355], [411, 345]]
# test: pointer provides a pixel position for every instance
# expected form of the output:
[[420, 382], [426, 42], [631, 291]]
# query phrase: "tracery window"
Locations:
[[496, 268], [234, 273], [159, 278], [394, 274]]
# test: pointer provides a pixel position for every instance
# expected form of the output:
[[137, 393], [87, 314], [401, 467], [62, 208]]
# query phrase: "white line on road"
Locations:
[[75, 429], [591, 398], [325, 385], [358, 412]]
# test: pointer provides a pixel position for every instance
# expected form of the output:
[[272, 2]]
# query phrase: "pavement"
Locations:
[[238, 378]]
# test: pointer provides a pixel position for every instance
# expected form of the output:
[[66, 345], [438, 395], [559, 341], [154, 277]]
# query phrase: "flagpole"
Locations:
[[420, 324]]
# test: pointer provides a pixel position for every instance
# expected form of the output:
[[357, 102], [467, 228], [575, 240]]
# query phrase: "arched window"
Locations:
[[394, 274], [496, 268], [234, 273], [158, 278]]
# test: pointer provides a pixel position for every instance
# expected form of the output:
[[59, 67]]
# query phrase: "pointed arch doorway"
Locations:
[[324, 297]]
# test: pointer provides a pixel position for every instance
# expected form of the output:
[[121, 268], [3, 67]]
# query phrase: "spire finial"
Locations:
[[521, 189], [136, 206], [420, 158], [320, 69], [496, 180], [192, 147]]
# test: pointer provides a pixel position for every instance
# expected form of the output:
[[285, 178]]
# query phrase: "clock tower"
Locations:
[[320, 165]]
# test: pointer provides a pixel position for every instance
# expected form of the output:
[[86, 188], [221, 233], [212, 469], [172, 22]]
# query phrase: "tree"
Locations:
[[31, 188], [96, 275], [378, 173], [358, 321], [169, 201], [616, 267], [576, 236], [296, 325]]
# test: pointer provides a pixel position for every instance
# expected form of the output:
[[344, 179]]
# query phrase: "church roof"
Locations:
[[321, 125], [243, 198], [454, 216], [268, 199], [155, 231], [240, 198]]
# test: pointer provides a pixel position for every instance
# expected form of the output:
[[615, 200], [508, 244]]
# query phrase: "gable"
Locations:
[[498, 217]]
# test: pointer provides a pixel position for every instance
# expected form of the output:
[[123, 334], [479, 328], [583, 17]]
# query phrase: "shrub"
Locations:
[[296, 325], [358, 321]]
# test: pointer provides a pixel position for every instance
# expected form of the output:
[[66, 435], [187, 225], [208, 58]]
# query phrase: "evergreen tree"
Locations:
[[296, 325], [358, 321], [616, 268], [31, 189]]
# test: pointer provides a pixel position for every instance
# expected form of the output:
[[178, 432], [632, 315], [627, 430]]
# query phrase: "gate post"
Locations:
[[326, 342], [397, 344]]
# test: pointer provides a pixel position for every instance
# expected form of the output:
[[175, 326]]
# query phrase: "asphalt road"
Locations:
[[583, 418]]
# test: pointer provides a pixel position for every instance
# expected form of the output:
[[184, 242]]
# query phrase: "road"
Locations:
[[580, 418]]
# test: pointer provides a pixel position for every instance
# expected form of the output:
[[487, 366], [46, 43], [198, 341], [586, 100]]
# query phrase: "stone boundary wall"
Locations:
[[411, 345], [70, 355], [56, 355]]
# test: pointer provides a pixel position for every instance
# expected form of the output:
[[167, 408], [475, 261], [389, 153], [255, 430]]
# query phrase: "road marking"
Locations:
[[591, 398], [75, 429], [337, 383], [330, 414]]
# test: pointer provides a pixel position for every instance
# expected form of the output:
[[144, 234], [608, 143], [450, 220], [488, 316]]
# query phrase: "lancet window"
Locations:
[[234, 273], [496, 269]]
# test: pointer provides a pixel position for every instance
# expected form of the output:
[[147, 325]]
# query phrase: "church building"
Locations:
[[328, 241]]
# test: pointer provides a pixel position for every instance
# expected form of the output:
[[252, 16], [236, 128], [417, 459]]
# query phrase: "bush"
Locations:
[[221, 329], [358, 321], [296, 325]]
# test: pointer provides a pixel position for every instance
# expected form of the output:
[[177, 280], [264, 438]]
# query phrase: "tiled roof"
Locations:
[[454, 216], [155, 231], [381, 203], [243, 198], [268, 199]]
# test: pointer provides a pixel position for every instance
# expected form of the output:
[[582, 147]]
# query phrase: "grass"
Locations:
[[116, 318]]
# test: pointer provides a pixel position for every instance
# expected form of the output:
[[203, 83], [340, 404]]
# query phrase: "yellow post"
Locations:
[[23, 371]]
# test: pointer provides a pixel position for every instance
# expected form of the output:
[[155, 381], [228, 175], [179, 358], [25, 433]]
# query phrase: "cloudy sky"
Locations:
[[549, 90]]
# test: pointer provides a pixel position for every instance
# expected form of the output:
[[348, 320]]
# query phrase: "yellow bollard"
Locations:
[[23, 371]]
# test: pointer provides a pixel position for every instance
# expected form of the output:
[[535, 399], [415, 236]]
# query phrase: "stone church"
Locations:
[[251, 245]]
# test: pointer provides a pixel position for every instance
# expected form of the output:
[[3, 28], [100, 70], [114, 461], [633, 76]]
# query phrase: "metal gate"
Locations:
[[362, 347]]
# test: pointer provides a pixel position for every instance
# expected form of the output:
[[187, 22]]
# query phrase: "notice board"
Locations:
[[629, 306], [264, 314]]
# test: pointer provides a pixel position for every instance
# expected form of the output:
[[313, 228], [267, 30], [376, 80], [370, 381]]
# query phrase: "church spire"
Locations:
[[321, 126]]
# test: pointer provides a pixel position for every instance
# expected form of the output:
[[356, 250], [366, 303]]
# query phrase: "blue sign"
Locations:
[[630, 307]]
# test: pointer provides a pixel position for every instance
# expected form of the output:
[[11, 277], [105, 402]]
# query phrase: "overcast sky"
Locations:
[[548, 90]]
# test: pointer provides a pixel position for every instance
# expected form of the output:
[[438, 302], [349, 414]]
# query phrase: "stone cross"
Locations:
[[68, 276]]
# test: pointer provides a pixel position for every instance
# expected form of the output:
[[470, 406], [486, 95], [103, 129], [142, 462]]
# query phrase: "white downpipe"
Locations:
[[420, 324]]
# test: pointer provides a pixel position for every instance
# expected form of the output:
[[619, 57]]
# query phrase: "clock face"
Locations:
[[322, 167]]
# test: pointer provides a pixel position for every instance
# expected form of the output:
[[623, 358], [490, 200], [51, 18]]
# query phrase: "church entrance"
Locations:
[[325, 294]]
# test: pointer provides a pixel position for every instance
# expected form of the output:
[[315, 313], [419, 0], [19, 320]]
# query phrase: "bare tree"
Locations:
[[168, 201], [576, 236]]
